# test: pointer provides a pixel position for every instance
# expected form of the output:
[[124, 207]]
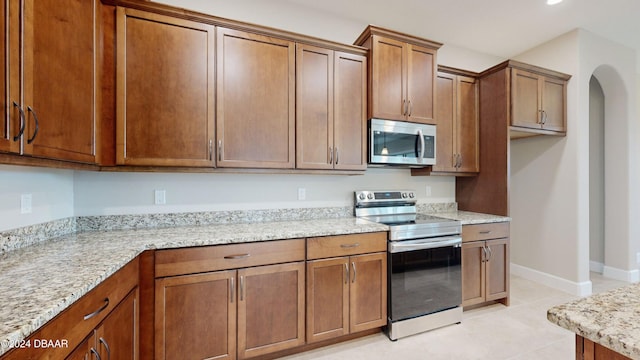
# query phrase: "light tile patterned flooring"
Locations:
[[517, 332]]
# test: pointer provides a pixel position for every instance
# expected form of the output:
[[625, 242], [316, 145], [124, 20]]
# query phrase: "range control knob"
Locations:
[[361, 196], [411, 195], [370, 196], [404, 195]]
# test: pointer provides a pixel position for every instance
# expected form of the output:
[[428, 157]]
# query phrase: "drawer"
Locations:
[[485, 231], [223, 257], [342, 245], [75, 323]]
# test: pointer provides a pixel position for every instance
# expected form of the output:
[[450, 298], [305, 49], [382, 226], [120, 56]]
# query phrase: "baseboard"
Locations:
[[631, 276], [596, 266], [575, 288]]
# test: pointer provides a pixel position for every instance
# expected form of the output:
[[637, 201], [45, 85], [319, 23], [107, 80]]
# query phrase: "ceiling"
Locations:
[[502, 28]]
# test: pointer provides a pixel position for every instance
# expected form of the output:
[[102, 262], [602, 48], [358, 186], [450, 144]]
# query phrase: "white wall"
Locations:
[[550, 176], [596, 176], [51, 190]]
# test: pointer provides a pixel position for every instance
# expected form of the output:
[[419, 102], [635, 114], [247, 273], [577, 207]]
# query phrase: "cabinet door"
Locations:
[[271, 311], [196, 316], [497, 269], [86, 350], [525, 101], [467, 125], [255, 100], [421, 84], [117, 337], [9, 122], [327, 298], [446, 114], [314, 107], [59, 96], [388, 83], [350, 111], [368, 291], [165, 87], [473, 273], [554, 104]]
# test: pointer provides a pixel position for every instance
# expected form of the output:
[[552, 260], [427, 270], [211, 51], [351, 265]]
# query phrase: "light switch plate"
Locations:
[[26, 203], [160, 197], [302, 193]]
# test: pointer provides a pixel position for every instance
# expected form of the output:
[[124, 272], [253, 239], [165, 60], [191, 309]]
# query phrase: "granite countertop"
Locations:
[[611, 319], [41, 280]]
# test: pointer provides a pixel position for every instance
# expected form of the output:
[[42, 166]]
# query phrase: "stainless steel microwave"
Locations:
[[401, 143]]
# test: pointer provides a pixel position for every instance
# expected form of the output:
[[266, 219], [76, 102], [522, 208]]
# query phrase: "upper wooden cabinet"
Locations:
[[255, 100], [165, 90], [49, 79], [402, 75], [538, 100], [458, 123], [330, 109]]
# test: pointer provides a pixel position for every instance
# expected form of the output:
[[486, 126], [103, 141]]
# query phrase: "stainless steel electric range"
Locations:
[[424, 262]]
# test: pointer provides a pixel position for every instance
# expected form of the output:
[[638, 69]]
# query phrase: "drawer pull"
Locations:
[[485, 232], [104, 306], [350, 246], [240, 256]]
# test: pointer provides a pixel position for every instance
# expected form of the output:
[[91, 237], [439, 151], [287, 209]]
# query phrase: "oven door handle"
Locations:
[[413, 245]]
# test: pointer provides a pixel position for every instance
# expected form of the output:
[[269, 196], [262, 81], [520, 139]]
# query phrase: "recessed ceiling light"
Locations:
[[553, 2]]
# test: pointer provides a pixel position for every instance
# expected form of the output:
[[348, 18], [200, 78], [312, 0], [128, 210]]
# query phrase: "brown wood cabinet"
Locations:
[[165, 90], [49, 106], [458, 124], [538, 101], [346, 294], [218, 304], [588, 350], [485, 263], [107, 316], [255, 100], [330, 109], [402, 75]]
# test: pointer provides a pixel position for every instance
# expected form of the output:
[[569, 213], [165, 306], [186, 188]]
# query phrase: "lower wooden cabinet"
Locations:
[[588, 350], [485, 265], [346, 294], [248, 312]]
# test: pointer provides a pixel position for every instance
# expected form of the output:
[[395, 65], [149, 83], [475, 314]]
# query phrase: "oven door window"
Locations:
[[424, 281]]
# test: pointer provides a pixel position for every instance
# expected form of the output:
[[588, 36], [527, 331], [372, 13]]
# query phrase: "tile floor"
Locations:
[[518, 332]]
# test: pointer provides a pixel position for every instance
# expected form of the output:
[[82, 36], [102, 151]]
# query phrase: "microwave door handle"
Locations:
[[422, 145]]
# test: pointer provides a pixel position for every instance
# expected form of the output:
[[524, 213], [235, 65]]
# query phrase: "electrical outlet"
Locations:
[[428, 190], [160, 197], [25, 203], [302, 194]]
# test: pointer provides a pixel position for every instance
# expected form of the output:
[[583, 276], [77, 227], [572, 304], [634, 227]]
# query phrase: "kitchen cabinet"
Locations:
[[346, 285], [538, 101], [165, 90], [402, 75], [255, 100], [330, 109], [485, 263], [105, 320], [589, 350], [228, 301], [458, 124], [50, 106]]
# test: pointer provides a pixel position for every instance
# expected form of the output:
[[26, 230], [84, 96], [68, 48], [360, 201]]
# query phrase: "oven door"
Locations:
[[424, 276], [401, 143]]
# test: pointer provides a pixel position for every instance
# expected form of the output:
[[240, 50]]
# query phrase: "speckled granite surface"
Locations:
[[611, 319], [470, 218], [41, 280], [29, 235]]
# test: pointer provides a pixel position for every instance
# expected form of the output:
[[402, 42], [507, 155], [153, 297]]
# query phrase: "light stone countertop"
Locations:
[[41, 280], [611, 319]]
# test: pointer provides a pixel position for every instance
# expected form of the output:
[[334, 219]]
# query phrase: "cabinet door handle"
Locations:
[[95, 353], [349, 246], [404, 107], [239, 256], [35, 132], [106, 346], [544, 117], [337, 155], [330, 155], [219, 150], [104, 306], [490, 253], [484, 253], [232, 288], [23, 123], [459, 161], [353, 265], [210, 149], [410, 108], [241, 288], [346, 273]]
